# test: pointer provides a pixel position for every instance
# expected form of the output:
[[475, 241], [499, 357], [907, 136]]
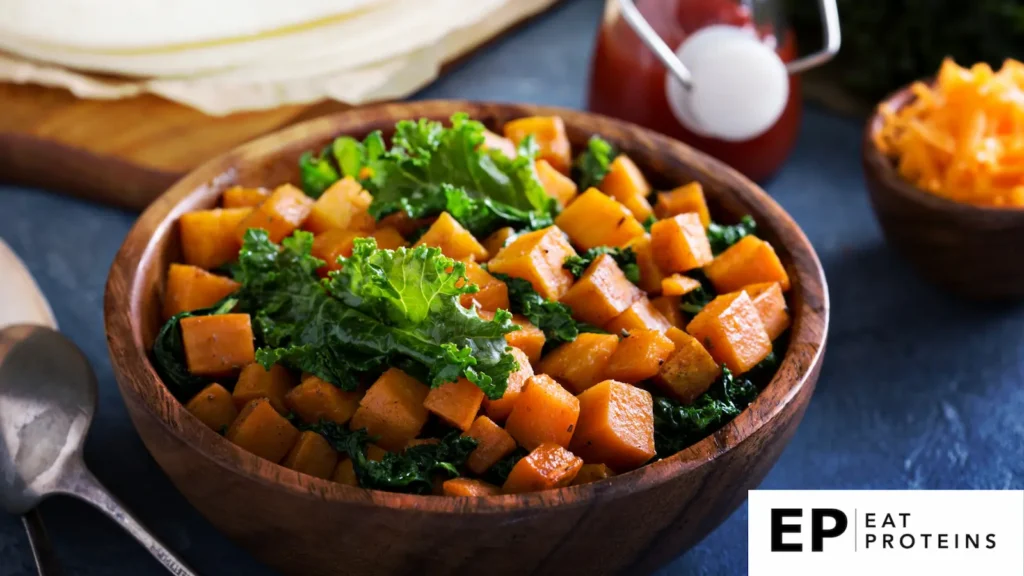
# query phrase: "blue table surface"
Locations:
[[919, 389]]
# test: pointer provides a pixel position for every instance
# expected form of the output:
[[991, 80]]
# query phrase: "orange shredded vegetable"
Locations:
[[963, 137]]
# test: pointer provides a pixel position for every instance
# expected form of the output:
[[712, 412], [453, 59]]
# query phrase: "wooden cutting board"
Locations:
[[124, 152]]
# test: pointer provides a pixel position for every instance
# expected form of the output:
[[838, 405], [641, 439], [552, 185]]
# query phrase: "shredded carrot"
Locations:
[[962, 138]]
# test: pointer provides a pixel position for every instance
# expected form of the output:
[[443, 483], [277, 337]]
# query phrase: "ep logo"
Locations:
[[824, 523]]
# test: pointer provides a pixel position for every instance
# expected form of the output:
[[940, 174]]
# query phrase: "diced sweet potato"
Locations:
[[500, 409], [375, 453], [262, 431], [453, 240], [493, 293], [469, 487], [494, 141], [680, 243], [331, 245], [388, 237], [217, 345], [639, 356], [528, 338], [581, 363], [537, 257], [544, 412], [314, 400], [689, 371], [547, 466], [749, 261], [497, 240], [208, 237], [422, 442], [731, 330], [549, 134], [456, 403], [641, 315], [626, 183], [650, 274], [280, 214], [344, 205], [214, 407], [191, 288], [592, 473], [771, 306], [596, 219], [557, 185], [686, 198], [669, 307], [602, 292], [493, 444], [392, 409], [616, 426], [678, 285], [240, 197], [255, 382], [345, 473], [312, 455]]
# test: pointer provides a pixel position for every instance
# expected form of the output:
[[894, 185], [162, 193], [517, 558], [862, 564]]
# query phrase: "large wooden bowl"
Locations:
[[974, 251], [306, 526]]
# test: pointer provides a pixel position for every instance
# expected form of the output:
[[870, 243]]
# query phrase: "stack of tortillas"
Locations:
[[224, 56]]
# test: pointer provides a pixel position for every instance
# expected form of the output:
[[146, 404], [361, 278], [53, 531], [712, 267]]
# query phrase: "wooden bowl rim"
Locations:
[[885, 169], [134, 371]]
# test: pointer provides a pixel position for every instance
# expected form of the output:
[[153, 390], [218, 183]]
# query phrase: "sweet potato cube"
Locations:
[[392, 409], [680, 243], [669, 307], [641, 315], [255, 382], [549, 134], [497, 240], [678, 285], [650, 274], [537, 257], [314, 400], [596, 219], [344, 205], [312, 455], [241, 197], [331, 245], [557, 185], [214, 407], [547, 466], [686, 198], [261, 430], [388, 238], [280, 214], [580, 364], [626, 183], [497, 142], [191, 288], [469, 487], [749, 261], [456, 403], [493, 444], [616, 426], [528, 338], [492, 293], [375, 453], [689, 371], [731, 330], [592, 473], [602, 292], [208, 237], [345, 473], [771, 306], [500, 409], [544, 412], [453, 240], [217, 345], [639, 356]]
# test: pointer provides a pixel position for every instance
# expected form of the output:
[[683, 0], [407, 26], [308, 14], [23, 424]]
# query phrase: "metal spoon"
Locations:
[[47, 401]]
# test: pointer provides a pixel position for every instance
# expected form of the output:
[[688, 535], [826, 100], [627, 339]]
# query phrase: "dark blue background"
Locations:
[[919, 389]]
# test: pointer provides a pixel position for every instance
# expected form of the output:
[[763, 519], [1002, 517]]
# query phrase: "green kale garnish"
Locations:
[[169, 352], [498, 473], [353, 156], [553, 318], [695, 300], [649, 223], [591, 166], [316, 173], [721, 237], [624, 257]]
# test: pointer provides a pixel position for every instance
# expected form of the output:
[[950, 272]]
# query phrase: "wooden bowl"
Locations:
[[306, 526], [974, 251]]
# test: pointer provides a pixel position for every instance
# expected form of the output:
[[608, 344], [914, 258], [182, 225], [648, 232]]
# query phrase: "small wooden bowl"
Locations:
[[306, 526], [974, 251]]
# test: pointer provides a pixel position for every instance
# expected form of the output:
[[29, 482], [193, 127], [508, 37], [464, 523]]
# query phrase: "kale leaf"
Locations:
[[360, 160], [592, 164], [695, 300], [316, 173], [649, 222], [498, 473], [721, 237], [624, 257], [553, 318], [169, 352]]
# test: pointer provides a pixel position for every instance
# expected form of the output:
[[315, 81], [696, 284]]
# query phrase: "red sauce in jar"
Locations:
[[628, 81]]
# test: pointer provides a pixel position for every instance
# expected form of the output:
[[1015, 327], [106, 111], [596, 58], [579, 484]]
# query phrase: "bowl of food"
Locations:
[[940, 161], [453, 336]]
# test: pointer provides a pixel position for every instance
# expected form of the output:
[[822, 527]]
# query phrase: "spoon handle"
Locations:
[[39, 541], [85, 486]]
